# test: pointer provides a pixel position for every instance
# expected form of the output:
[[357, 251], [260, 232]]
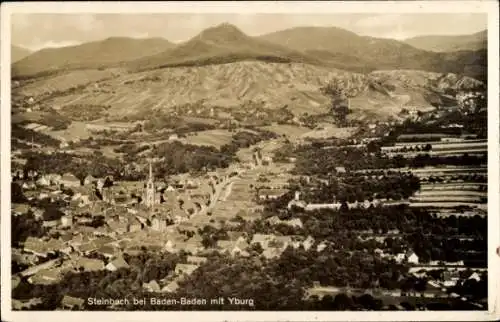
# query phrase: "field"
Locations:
[[75, 131], [444, 153], [441, 171], [445, 187], [454, 186], [292, 132], [66, 81], [216, 138], [326, 130], [438, 149], [436, 145]]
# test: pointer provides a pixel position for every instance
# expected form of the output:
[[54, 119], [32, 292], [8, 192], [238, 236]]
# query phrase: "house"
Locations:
[[71, 303], [42, 248], [116, 264], [340, 169], [117, 226], [189, 207], [107, 251], [311, 207], [67, 221], [265, 194], [38, 213], [400, 257], [43, 182], [158, 223], [296, 222], [152, 286], [20, 209], [193, 247], [190, 184], [86, 248], [234, 247], [15, 280], [54, 179], [185, 269], [45, 277], [134, 225], [89, 180], [69, 180], [449, 283], [84, 264], [262, 239], [434, 284], [475, 276], [132, 250], [321, 247], [103, 240], [28, 186], [412, 258], [236, 235], [196, 260], [170, 288], [280, 242], [40, 267], [272, 253], [308, 242]]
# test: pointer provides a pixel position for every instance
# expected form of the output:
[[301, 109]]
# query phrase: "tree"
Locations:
[[17, 193], [339, 93], [343, 302], [344, 207]]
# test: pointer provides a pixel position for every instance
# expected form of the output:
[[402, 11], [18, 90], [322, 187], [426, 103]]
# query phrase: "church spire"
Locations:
[[150, 188]]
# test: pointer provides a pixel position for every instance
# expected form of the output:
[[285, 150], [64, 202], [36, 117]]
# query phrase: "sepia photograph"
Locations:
[[264, 157]]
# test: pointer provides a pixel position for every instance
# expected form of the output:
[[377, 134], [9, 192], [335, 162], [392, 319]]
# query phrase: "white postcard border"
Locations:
[[491, 7]]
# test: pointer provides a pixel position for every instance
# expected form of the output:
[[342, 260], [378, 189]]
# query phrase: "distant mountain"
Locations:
[[225, 43], [344, 49], [110, 52], [476, 41], [222, 44], [17, 53]]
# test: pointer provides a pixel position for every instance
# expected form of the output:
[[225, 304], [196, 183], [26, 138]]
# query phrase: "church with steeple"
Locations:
[[150, 196]]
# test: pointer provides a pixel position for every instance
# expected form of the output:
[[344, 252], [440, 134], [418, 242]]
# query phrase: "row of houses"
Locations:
[[170, 284], [52, 272]]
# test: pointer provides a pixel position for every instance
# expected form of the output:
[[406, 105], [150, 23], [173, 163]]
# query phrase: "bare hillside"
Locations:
[[297, 86]]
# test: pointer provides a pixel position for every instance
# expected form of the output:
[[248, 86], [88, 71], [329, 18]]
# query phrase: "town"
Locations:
[[272, 204]]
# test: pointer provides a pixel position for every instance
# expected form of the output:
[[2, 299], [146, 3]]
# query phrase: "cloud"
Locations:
[[52, 44], [140, 35], [56, 30], [389, 20]]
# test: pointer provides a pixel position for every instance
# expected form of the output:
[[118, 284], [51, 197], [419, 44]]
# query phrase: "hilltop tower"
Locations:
[[150, 189]]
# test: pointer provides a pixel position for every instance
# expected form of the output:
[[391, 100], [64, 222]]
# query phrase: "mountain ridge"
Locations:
[[373, 53], [110, 52], [225, 43], [18, 52], [449, 43]]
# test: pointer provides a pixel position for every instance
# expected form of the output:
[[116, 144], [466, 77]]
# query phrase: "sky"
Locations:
[[37, 31]]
